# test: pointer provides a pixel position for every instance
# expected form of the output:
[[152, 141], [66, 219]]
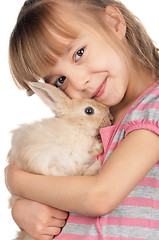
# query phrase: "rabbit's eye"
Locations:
[[89, 111]]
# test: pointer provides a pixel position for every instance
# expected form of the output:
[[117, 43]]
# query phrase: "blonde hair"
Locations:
[[34, 45]]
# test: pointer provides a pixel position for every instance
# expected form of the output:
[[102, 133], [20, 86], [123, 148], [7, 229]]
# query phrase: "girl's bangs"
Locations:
[[39, 39], [45, 46], [48, 42]]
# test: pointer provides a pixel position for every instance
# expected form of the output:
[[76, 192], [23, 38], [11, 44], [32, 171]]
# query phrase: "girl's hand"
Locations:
[[38, 220]]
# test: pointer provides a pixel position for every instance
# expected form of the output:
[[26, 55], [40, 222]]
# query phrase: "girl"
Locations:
[[92, 49]]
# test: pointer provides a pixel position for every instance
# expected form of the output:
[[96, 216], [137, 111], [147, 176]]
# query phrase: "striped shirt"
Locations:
[[137, 217]]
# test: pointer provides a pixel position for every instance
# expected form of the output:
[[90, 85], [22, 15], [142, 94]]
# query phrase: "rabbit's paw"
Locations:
[[98, 150], [94, 168]]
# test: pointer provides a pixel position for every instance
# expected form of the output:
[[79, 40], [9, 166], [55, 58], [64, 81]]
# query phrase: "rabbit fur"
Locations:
[[64, 144]]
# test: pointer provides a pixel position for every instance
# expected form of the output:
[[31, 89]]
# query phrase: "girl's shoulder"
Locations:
[[148, 97], [144, 113]]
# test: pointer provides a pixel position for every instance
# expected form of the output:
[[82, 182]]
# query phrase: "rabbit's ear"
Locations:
[[53, 97]]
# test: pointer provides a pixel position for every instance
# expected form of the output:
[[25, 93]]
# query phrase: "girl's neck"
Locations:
[[139, 81]]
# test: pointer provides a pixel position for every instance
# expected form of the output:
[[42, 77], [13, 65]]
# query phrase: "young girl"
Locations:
[[92, 49]]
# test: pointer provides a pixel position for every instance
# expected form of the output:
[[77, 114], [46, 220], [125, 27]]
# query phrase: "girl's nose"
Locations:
[[78, 80], [78, 76], [79, 84]]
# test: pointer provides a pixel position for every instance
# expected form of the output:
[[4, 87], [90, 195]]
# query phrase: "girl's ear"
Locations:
[[115, 21]]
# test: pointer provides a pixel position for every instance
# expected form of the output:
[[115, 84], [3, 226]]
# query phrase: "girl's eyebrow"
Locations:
[[69, 47], [72, 44]]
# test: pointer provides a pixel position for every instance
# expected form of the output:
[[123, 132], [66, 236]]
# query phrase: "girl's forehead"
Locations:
[[51, 36], [72, 16], [66, 29]]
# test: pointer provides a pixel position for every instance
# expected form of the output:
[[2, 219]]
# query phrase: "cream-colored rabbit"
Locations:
[[62, 145]]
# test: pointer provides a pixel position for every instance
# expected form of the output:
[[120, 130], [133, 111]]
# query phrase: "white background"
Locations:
[[16, 107]]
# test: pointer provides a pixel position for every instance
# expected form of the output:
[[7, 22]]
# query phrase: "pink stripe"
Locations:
[[137, 124], [150, 182], [120, 127], [144, 202], [90, 237], [155, 91], [114, 145], [66, 236], [131, 222], [122, 238], [140, 121], [81, 220]]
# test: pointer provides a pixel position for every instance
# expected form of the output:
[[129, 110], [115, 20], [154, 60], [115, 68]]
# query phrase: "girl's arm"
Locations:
[[93, 195]]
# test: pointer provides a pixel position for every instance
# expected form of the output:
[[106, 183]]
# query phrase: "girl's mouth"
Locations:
[[99, 92]]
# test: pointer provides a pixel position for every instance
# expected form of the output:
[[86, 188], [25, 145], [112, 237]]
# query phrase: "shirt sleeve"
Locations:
[[145, 115]]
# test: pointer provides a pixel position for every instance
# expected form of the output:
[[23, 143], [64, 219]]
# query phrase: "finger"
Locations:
[[59, 214], [57, 223], [51, 231], [45, 237]]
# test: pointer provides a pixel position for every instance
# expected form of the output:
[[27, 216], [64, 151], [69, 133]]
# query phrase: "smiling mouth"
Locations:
[[99, 92]]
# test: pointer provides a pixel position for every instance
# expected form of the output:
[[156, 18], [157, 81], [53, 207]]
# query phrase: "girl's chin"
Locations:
[[102, 100], [109, 102]]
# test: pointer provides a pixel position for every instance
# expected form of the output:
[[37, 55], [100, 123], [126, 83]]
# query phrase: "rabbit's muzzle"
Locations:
[[106, 121]]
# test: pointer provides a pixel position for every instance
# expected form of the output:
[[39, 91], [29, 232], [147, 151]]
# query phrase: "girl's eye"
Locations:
[[59, 81], [78, 54]]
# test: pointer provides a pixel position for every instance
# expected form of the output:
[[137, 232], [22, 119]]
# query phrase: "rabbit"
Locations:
[[64, 144]]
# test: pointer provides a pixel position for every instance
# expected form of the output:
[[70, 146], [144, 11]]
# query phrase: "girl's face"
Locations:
[[90, 68]]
